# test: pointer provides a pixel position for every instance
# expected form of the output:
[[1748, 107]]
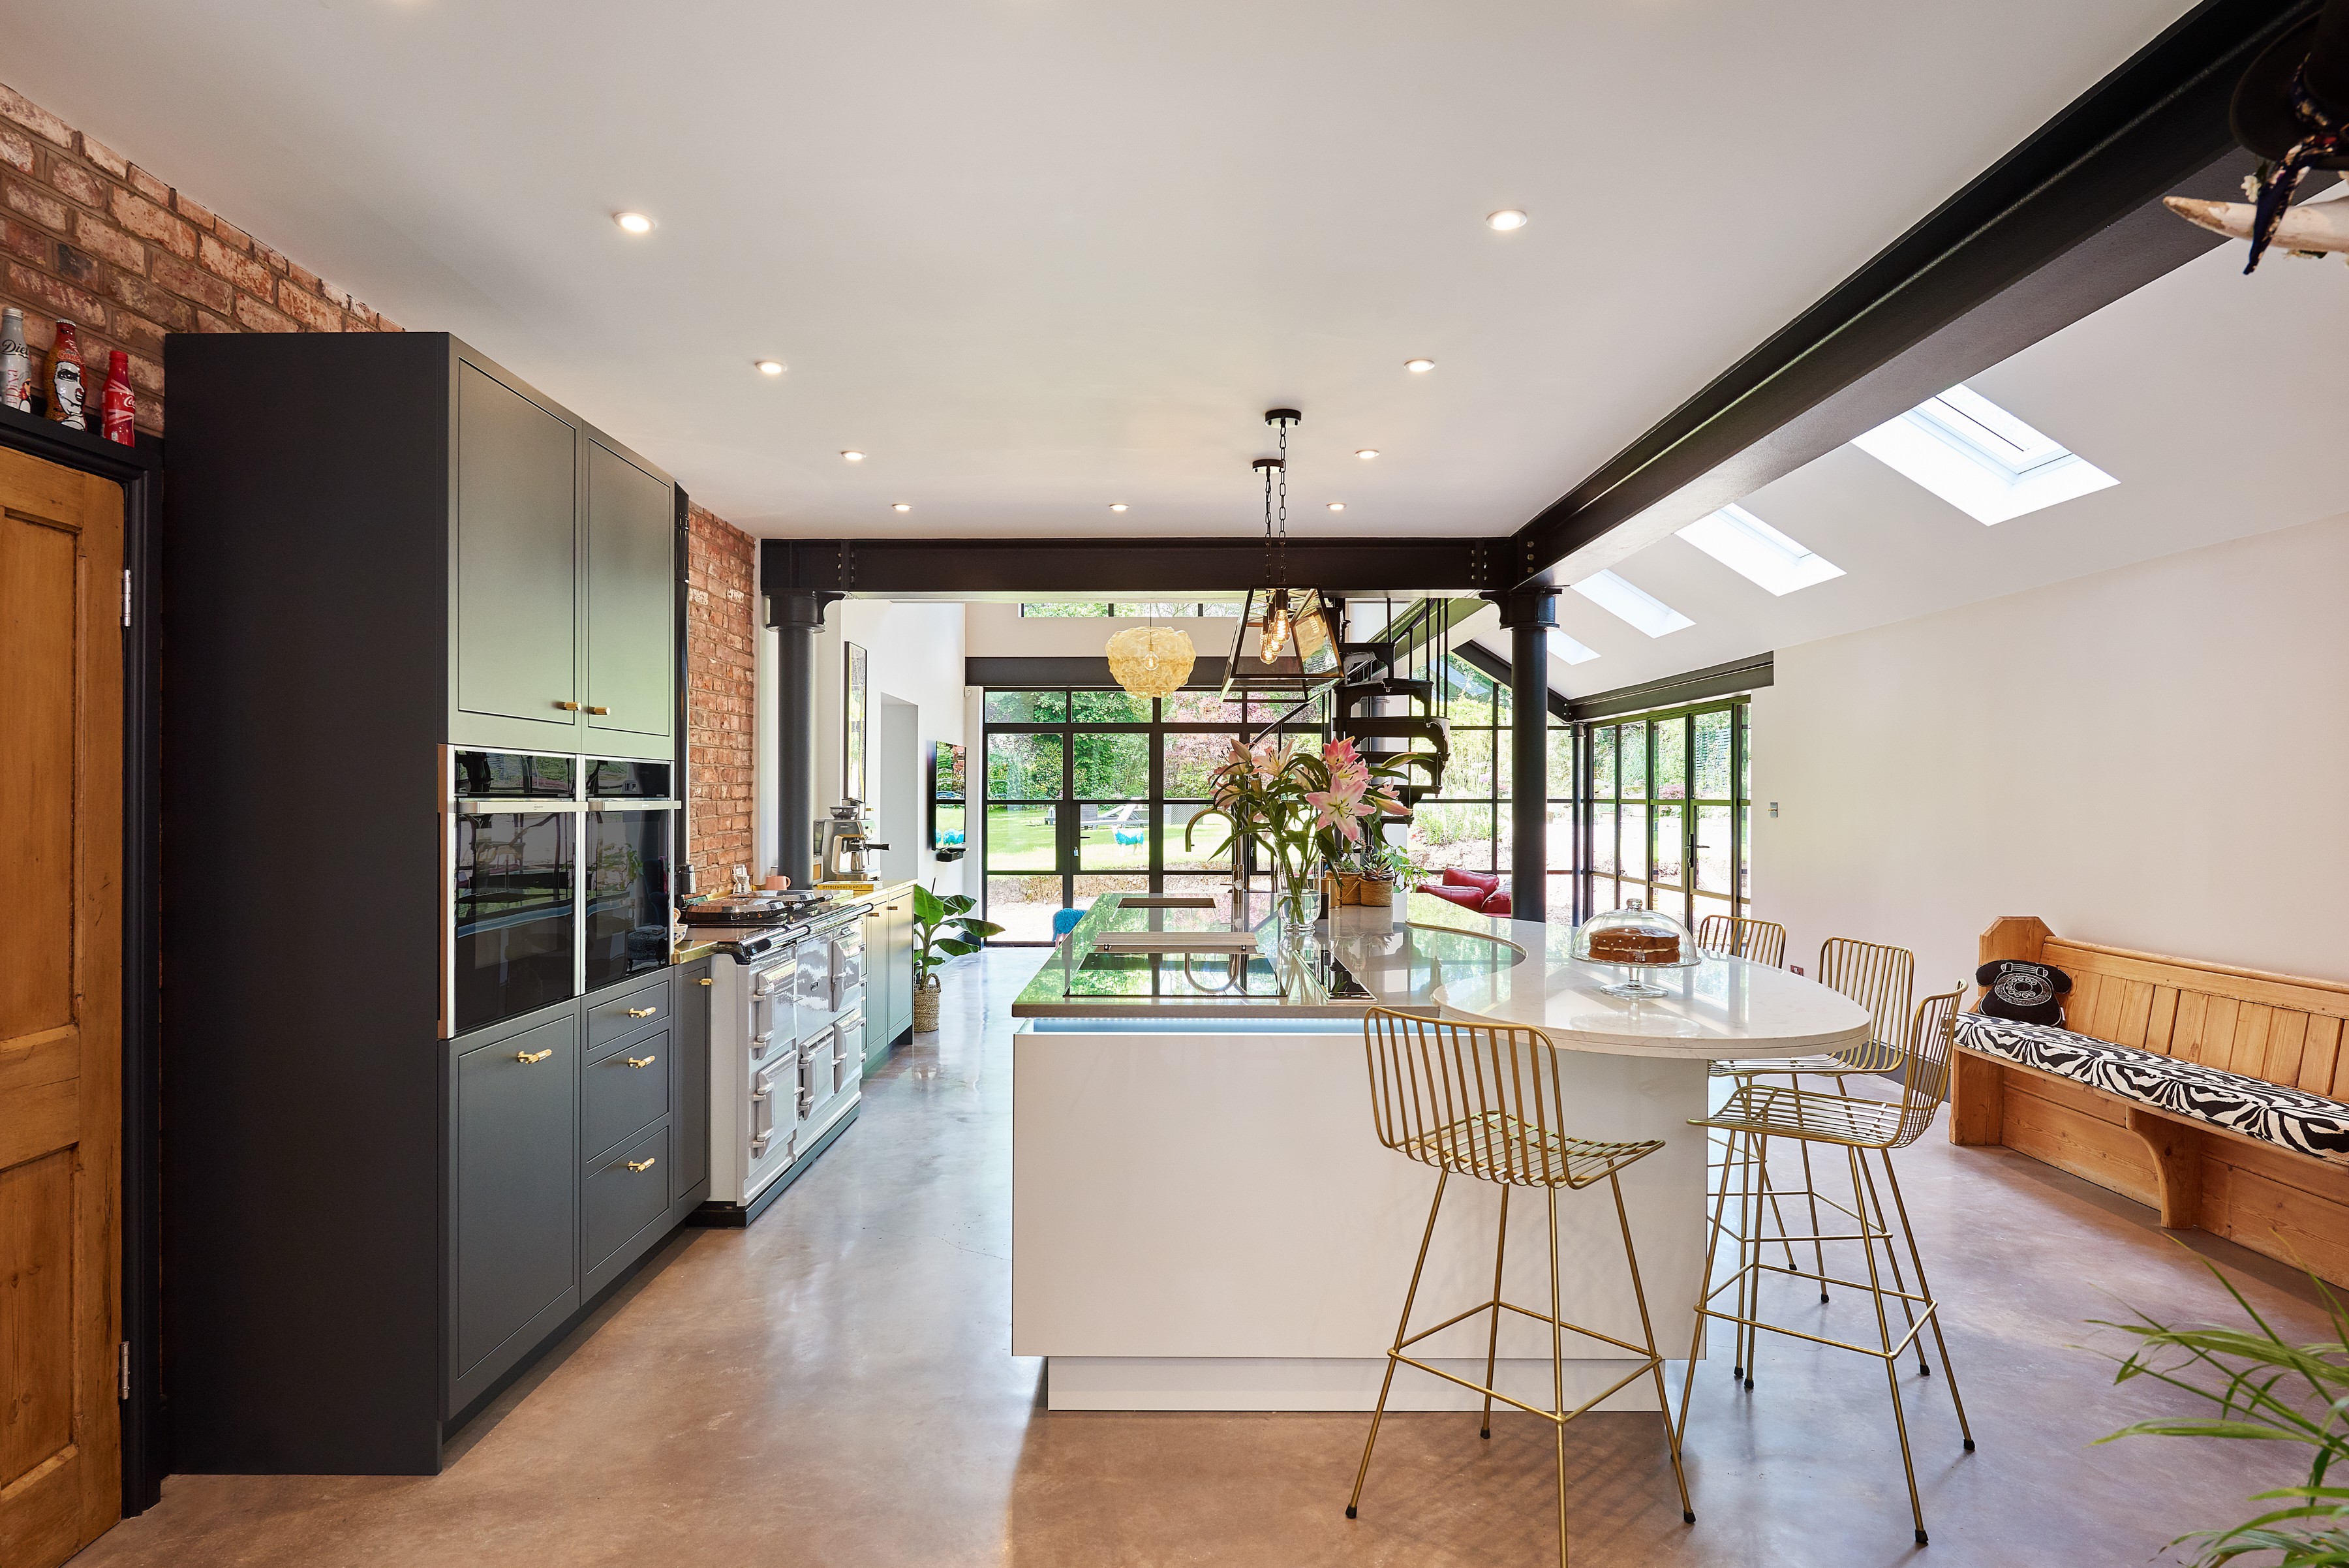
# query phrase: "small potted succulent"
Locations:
[[1374, 872], [936, 917]]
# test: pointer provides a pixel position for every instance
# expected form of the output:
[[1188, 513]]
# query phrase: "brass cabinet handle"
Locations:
[[599, 709], [568, 707], [530, 1060], [642, 1164], [642, 1012], [647, 1062], [707, 981]]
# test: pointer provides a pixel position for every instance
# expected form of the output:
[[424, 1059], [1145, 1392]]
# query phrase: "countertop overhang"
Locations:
[[1430, 956]]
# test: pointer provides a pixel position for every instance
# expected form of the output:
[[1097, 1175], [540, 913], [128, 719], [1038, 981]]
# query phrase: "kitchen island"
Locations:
[[1203, 1218]]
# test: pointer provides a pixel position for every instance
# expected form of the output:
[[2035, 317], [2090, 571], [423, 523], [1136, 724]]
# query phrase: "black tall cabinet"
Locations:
[[377, 547]]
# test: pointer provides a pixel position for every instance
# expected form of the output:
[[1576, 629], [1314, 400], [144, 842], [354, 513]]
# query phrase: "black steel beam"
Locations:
[[1529, 616], [2068, 221], [1141, 568]]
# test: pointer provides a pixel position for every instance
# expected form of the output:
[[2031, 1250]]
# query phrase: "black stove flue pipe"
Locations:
[[798, 615]]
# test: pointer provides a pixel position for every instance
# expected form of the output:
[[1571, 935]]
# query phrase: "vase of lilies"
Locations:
[[1304, 806]]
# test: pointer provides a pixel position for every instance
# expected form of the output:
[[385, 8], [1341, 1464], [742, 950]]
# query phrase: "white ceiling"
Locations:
[[2212, 398], [1036, 256]]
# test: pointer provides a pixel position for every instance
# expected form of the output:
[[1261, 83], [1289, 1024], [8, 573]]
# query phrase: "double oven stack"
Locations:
[[787, 1035], [557, 876]]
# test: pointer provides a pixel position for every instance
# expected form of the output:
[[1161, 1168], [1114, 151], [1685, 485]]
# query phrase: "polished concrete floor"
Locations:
[[833, 1388]]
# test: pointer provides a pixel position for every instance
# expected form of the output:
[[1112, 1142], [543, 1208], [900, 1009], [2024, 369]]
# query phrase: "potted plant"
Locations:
[[1303, 806], [935, 917], [2266, 1389]]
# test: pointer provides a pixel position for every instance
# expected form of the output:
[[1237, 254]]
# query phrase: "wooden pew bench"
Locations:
[[2228, 1109]]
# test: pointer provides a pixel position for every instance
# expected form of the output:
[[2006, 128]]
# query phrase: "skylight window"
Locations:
[[1981, 459], [1620, 600], [1757, 552], [1564, 647]]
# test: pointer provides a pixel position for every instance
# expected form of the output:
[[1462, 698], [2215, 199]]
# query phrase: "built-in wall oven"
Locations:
[[557, 879]]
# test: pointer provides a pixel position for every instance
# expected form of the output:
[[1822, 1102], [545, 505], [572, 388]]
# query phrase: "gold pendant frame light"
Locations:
[[1288, 641]]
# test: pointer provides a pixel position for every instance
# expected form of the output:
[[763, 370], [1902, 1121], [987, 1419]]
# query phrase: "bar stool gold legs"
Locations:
[[1758, 1113], [1482, 1102]]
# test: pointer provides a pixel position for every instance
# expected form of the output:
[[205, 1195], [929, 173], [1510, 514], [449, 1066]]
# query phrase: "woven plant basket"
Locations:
[[926, 1010]]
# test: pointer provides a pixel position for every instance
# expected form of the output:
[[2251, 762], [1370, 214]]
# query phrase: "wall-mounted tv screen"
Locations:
[[948, 799]]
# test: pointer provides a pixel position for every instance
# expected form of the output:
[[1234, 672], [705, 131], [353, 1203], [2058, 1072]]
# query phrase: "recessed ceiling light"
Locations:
[[635, 222], [853, 456], [771, 367], [1417, 367], [1337, 506], [1117, 506], [905, 507], [1505, 220], [1367, 453]]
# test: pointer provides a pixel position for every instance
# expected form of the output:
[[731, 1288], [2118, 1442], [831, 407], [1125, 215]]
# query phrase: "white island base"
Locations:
[[1204, 1219]]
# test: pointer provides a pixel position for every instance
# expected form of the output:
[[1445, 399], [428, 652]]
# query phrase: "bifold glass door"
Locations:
[[1667, 817]]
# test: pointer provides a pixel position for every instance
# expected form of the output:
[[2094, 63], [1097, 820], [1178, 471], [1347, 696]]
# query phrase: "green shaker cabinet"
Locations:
[[631, 598], [517, 558]]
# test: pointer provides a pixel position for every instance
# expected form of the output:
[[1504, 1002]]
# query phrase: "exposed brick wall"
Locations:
[[723, 715], [90, 237]]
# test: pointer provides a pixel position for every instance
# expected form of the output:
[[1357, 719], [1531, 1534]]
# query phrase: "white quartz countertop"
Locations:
[[1432, 956], [1723, 1007]]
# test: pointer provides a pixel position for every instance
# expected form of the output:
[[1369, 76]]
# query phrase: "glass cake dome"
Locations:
[[1637, 940]]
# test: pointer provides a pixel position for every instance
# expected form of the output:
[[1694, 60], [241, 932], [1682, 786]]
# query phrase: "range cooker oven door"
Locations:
[[511, 923], [628, 847], [848, 1054], [848, 968], [772, 989], [815, 1071], [774, 1108]]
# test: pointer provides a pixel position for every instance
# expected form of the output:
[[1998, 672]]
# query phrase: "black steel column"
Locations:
[[1529, 614], [798, 615]]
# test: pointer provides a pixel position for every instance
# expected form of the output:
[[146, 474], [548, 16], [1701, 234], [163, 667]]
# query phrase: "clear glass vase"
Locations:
[[1296, 900]]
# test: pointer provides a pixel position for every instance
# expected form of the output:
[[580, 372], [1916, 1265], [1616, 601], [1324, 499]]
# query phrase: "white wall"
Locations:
[[914, 652], [2152, 757]]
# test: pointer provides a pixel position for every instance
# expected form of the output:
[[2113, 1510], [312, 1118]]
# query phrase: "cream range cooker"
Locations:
[[787, 1054]]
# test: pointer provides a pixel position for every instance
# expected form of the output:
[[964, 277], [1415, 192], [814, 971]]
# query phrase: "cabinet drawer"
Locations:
[[625, 1194], [627, 1089], [640, 1008]]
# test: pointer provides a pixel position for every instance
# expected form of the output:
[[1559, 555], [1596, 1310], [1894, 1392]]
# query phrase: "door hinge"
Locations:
[[126, 1369], [125, 598]]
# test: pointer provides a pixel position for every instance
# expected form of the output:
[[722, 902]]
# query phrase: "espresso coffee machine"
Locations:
[[842, 839]]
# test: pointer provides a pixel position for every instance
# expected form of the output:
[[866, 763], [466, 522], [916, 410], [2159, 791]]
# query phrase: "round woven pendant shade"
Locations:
[[1150, 661]]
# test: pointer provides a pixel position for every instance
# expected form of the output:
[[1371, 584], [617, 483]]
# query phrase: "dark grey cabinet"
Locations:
[[515, 1110], [689, 1178], [384, 547], [516, 579], [630, 599]]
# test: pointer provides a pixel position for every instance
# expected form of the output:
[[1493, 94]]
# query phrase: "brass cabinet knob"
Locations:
[[642, 1164], [642, 1012], [568, 707], [530, 1059], [645, 1062], [599, 710]]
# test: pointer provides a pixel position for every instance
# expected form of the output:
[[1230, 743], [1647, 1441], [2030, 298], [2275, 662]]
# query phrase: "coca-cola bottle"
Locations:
[[119, 408], [16, 364], [66, 389]]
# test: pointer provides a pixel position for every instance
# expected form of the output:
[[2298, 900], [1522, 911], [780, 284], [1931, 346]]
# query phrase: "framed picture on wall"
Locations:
[[854, 713]]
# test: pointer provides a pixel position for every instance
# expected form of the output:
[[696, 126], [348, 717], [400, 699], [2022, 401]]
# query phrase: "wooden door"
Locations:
[[61, 1009], [631, 600], [517, 559]]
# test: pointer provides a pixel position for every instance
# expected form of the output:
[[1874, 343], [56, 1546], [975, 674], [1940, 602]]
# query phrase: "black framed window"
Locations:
[[1668, 815], [1090, 791]]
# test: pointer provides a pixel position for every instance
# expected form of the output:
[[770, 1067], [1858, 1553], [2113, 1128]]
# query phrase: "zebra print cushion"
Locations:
[[2298, 1120]]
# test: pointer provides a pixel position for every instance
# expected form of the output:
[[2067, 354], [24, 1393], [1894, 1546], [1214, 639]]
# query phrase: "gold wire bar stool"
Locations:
[[1882, 979], [1757, 1111], [1483, 1101], [1758, 941]]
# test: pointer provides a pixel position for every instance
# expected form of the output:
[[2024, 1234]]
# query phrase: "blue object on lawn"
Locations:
[[1129, 835], [1064, 921]]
